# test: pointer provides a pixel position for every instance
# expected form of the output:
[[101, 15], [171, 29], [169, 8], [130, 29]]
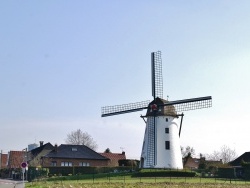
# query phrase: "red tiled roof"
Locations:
[[114, 156], [3, 160], [16, 158], [190, 162]]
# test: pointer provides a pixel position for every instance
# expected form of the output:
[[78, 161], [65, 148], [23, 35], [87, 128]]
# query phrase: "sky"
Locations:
[[61, 61]]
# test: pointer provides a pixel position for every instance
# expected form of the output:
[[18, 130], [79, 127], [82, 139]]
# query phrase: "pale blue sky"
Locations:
[[61, 61]]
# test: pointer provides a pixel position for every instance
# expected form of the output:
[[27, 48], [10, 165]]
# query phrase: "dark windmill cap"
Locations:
[[157, 108]]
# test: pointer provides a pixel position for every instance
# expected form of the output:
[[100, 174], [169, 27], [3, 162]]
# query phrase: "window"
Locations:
[[166, 130], [83, 164], [74, 149], [53, 163], [167, 145], [166, 119], [66, 163]]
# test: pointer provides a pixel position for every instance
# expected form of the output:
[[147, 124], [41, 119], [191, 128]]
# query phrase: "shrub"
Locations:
[[165, 173]]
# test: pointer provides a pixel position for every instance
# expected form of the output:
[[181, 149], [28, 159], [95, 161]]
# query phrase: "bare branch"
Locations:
[[81, 138]]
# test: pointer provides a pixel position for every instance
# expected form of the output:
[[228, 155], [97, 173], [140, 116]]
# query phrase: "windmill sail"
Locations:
[[190, 104], [124, 108], [161, 144], [157, 81], [151, 142]]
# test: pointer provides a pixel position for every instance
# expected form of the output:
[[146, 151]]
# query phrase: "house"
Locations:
[[3, 160], [15, 158], [114, 157], [237, 162], [195, 163], [190, 162], [73, 155], [34, 155], [237, 165], [14, 161]]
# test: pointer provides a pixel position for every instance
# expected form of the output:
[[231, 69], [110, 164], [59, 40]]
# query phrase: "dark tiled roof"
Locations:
[[41, 148], [244, 157], [75, 152]]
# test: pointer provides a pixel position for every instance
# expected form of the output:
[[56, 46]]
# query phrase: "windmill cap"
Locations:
[[156, 108]]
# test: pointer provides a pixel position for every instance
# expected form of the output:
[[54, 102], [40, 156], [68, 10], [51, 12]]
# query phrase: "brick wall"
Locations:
[[46, 162]]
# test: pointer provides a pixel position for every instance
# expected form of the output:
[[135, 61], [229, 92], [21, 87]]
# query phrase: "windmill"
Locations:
[[161, 144]]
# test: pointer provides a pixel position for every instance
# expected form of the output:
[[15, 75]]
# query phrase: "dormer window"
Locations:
[[74, 149]]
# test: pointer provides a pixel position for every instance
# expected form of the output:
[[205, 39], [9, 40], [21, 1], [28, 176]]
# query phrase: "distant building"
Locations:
[[32, 146], [3, 160], [15, 158], [195, 163], [35, 155], [244, 157], [73, 155], [114, 157]]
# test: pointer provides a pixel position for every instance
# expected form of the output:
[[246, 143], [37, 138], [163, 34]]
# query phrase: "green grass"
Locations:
[[127, 181], [132, 185]]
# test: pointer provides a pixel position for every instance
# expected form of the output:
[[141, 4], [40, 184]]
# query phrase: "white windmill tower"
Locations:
[[161, 145]]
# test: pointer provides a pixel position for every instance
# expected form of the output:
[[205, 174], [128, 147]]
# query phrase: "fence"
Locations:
[[165, 176]]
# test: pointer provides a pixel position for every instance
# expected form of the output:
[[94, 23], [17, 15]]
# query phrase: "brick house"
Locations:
[[34, 155], [3, 160], [190, 162], [195, 163], [114, 157], [15, 158], [73, 155]]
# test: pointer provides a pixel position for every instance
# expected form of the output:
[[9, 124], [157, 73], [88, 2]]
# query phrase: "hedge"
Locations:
[[64, 171], [226, 172], [164, 173]]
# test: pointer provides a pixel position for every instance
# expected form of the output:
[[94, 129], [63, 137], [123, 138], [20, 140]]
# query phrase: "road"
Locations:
[[11, 184]]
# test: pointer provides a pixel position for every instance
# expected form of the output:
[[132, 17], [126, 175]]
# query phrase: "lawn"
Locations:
[[133, 185], [127, 181]]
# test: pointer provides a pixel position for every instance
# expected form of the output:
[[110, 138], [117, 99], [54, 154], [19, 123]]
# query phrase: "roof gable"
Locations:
[[75, 152], [114, 156], [244, 157], [16, 158], [37, 150], [191, 162]]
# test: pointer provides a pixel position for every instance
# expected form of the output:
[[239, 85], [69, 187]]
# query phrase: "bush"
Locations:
[[164, 173], [34, 173]]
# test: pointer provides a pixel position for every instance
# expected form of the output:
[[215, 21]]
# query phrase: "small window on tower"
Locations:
[[166, 119], [167, 145], [167, 130]]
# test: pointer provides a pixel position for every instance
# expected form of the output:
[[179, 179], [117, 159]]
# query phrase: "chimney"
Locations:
[[55, 147], [41, 143]]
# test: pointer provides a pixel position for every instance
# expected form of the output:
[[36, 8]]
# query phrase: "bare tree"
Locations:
[[81, 138], [225, 154], [188, 151]]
